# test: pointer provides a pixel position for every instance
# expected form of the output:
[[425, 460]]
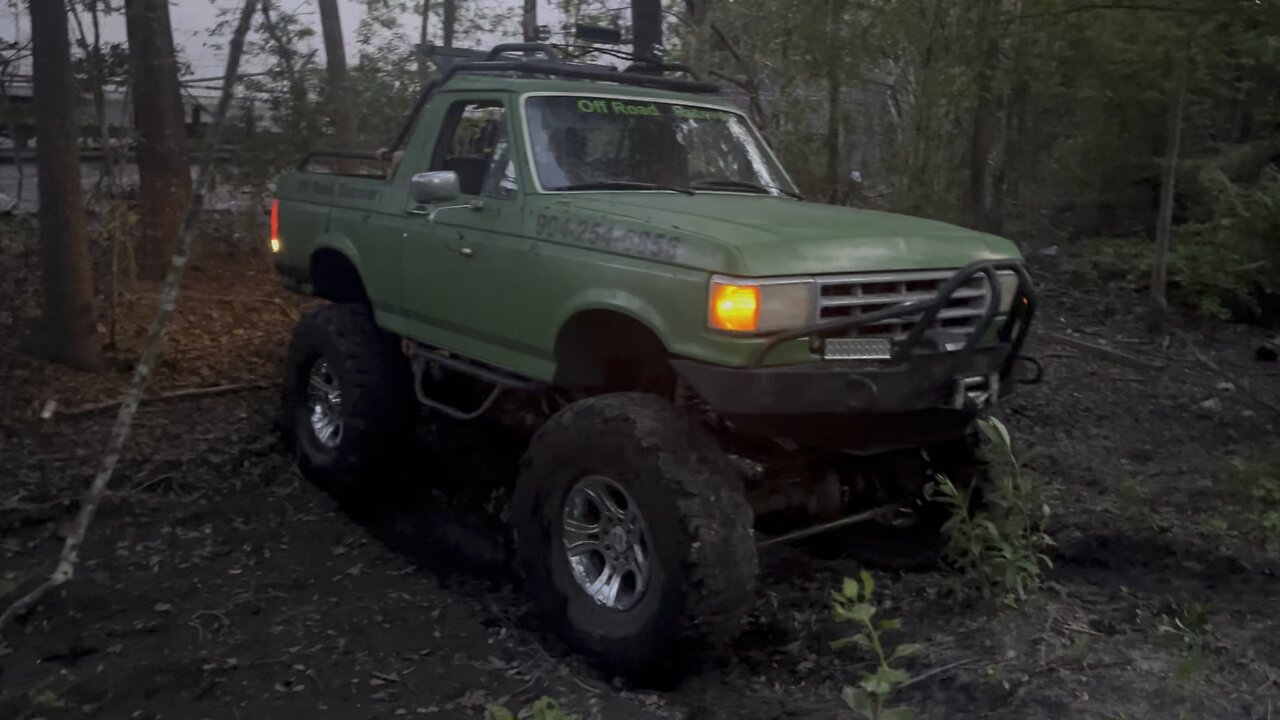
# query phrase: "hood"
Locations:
[[756, 235]]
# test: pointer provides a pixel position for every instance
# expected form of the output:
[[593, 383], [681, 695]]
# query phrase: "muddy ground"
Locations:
[[216, 583]]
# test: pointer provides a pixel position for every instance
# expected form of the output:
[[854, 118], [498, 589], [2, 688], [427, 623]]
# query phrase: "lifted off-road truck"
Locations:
[[716, 361]]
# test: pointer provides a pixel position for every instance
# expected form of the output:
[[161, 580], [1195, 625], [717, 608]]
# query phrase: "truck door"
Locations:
[[463, 273]]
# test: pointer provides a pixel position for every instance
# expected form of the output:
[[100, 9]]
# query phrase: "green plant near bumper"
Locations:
[[544, 708], [854, 603], [999, 550]]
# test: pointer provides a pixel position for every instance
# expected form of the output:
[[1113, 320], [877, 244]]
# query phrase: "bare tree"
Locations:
[[163, 165], [298, 111], [835, 77], [342, 110], [68, 332], [70, 555], [1164, 219], [93, 54]]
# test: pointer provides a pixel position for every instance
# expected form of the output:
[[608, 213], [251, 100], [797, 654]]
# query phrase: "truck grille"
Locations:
[[848, 296]]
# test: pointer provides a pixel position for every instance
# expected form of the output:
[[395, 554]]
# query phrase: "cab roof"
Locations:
[[476, 82]]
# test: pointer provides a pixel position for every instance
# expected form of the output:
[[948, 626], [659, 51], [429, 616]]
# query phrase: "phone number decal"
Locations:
[[606, 236]]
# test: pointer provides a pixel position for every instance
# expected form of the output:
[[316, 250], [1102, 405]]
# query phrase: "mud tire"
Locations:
[[377, 407], [704, 556]]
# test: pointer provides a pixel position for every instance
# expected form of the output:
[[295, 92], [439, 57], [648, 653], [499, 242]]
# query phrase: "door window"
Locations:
[[478, 148]]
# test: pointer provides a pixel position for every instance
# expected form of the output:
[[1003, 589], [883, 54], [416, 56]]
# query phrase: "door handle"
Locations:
[[465, 252]]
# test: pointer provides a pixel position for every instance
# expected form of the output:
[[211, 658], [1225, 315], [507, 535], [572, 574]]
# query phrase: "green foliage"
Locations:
[[1075, 119], [1222, 263], [999, 549], [1257, 484], [386, 79], [1189, 626], [855, 603], [544, 708]]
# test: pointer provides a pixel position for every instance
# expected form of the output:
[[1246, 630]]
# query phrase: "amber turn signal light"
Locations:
[[734, 307]]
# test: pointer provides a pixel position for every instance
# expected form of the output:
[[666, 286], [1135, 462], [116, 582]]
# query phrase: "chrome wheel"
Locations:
[[324, 400], [606, 542]]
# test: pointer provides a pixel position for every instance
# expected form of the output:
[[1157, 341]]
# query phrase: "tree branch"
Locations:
[[70, 556], [750, 83]]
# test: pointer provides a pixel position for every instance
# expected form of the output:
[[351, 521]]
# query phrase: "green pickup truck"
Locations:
[[716, 365]]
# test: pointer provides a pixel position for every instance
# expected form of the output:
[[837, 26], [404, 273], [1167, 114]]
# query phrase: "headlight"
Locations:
[[1008, 289], [751, 305]]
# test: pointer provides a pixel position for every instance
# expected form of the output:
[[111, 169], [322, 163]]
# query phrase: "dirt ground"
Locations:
[[216, 583]]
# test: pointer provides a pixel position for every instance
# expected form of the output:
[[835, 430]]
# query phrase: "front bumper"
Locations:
[[920, 395], [924, 383]]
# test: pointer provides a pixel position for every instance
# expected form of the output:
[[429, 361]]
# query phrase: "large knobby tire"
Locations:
[[340, 347], [701, 553]]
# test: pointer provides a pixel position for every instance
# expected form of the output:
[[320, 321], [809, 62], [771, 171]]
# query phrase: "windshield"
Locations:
[[595, 143]]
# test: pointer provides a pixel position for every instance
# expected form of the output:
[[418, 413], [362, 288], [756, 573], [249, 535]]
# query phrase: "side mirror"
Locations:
[[434, 187]]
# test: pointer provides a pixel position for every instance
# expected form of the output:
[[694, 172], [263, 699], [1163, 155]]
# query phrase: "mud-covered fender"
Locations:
[[622, 302], [334, 241]]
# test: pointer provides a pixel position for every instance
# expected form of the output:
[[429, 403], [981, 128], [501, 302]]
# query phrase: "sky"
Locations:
[[192, 21]]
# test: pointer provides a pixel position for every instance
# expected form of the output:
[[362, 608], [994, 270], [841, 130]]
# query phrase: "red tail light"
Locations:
[[275, 226]]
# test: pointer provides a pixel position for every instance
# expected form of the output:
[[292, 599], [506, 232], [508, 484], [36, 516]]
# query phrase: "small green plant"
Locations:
[[1258, 484], [1190, 627], [1267, 495], [544, 708], [1135, 505], [855, 603], [998, 550], [1081, 649]]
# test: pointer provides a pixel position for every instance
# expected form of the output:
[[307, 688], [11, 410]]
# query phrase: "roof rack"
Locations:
[[543, 60], [453, 61]]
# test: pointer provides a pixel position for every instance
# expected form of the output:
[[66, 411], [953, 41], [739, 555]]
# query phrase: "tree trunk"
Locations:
[[835, 61], [100, 101], [163, 166], [977, 198], [424, 37], [78, 530], [449, 22], [68, 326], [1000, 179], [646, 28], [529, 21], [700, 54], [15, 147], [341, 104], [1164, 221]]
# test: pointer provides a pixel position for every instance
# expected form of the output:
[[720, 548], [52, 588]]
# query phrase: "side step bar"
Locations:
[[422, 357]]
